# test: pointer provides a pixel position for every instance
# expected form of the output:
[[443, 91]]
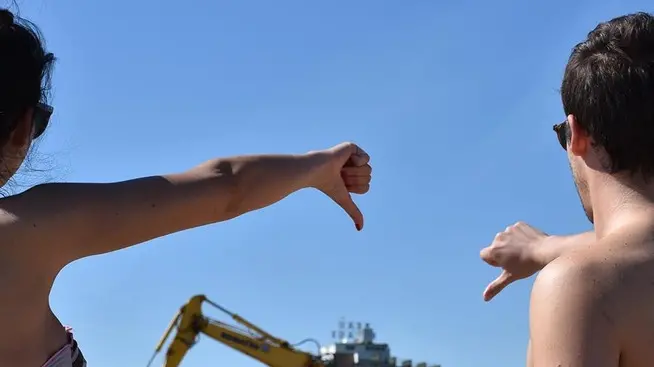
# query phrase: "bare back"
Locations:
[[630, 266], [32, 332], [595, 306]]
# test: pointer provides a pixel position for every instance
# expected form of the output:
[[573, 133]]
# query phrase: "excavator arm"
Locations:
[[189, 323]]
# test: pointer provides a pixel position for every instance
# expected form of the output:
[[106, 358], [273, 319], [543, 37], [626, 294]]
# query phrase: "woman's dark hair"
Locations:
[[25, 70]]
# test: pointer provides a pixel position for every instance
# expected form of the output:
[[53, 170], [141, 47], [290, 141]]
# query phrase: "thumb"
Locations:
[[497, 285], [344, 200]]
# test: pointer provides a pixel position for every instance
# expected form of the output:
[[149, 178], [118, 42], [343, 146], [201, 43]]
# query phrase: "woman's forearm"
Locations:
[[555, 246], [256, 181]]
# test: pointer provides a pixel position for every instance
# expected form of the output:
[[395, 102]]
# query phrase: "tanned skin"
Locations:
[[51, 225], [591, 303]]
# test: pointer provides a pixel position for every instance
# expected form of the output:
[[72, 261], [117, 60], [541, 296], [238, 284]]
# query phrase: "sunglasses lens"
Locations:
[[562, 140], [562, 134], [38, 131], [41, 118]]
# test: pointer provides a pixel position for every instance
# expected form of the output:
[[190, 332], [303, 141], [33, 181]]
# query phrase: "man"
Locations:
[[592, 305]]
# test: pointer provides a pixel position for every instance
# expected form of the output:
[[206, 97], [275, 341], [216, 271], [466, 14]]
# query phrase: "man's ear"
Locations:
[[579, 139]]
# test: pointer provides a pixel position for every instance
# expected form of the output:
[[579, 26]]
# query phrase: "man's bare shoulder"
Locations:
[[580, 275], [601, 272], [572, 303], [602, 292]]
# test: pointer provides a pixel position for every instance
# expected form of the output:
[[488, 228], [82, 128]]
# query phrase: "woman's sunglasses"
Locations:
[[41, 118], [561, 131]]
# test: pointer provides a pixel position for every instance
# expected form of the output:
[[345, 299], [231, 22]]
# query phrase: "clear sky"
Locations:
[[454, 103]]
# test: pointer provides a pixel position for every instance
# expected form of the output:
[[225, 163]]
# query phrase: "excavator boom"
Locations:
[[189, 322]]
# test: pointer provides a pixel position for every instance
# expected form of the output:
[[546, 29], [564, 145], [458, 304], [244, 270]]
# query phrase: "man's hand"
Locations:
[[343, 169], [515, 251]]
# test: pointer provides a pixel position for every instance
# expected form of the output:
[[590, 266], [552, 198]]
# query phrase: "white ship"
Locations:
[[354, 346]]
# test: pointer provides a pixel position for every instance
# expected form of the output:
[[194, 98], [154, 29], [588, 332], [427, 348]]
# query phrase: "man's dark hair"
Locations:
[[25, 70], [609, 87]]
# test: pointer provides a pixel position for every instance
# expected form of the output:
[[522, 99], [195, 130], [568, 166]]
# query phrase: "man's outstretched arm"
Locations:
[[522, 250], [568, 319], [555, 246]]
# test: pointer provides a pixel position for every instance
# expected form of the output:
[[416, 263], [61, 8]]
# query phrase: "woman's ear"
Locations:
[[22, 134], [15, 149]]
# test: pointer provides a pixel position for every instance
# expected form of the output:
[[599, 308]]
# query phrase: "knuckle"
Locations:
[[489, 252], [360, 189], [514, 226], [488, 255]]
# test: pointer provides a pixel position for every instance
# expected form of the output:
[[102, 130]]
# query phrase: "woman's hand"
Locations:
[[343, 169]]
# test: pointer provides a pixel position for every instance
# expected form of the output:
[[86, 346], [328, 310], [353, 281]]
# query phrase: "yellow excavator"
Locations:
[[190, 322]]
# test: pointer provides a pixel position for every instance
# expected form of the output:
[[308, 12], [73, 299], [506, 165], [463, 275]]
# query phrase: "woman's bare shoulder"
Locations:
[[46, 218], [21, 222], [63, 222]]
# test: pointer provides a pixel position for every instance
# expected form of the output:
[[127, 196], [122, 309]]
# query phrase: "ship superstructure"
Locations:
[[354, 345]]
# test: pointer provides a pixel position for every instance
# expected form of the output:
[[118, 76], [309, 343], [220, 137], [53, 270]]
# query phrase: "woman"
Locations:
[[64, 222]]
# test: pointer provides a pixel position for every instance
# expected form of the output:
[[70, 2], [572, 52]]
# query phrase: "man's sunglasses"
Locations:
[[41, 118], [561, 131]]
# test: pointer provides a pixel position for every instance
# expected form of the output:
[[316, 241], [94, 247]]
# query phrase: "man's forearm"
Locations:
[[555, 246]]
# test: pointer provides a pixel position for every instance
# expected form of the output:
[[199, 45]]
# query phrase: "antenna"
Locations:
[[341, 330], [368, 334]]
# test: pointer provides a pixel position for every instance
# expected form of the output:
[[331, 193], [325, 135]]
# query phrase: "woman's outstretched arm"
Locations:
[[68, 221]]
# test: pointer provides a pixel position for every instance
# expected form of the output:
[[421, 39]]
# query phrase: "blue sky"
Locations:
[[454, 103]]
